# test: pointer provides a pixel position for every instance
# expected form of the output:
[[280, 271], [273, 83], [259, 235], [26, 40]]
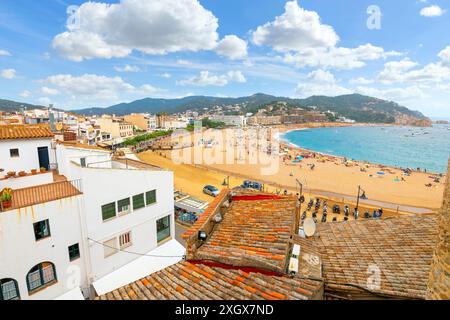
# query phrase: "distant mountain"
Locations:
[[354, 106], [12, 106]]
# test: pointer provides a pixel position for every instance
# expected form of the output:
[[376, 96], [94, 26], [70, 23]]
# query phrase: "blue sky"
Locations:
[[96, 54]]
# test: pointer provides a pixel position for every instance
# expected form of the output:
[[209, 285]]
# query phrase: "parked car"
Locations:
[[211, 190], [252, 185]]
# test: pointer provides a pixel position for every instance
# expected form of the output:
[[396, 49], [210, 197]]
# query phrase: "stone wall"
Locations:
[[439, 281]]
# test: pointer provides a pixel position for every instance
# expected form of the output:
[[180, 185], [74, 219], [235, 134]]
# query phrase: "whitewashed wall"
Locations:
[[19, 251], [103, 186], [28, 154]]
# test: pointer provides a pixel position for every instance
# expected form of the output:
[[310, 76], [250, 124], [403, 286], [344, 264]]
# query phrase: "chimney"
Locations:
[[439, 279]]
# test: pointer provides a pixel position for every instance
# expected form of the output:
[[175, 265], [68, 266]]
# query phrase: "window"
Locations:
[[138, 201], [41, 275], [108, 211], [110, 247], [9, 289], [150, 197], [14, 153], [41, 230], [163, 228], [124, 206], [125, 240], [74, 252]]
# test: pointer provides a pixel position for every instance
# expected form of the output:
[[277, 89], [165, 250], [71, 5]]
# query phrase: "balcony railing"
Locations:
[[27, 197]]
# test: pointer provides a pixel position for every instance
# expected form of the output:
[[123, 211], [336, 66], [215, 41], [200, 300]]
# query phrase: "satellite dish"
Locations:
[[309, 227], [59, 126]]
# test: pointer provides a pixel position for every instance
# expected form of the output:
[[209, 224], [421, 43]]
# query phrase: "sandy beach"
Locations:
[[330, 177]]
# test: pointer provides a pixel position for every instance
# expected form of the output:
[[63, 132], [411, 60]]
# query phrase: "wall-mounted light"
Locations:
[[218, 218], [202, 235]]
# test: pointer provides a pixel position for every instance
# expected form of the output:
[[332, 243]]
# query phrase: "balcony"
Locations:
[[31, 196]]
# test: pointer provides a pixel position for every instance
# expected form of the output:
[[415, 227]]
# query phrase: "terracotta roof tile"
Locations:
[[8, 132], [175, 283], [252, 234], [401, 248]]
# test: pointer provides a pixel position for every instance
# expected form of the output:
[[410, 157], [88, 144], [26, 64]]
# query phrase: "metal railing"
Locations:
[[30, 196]]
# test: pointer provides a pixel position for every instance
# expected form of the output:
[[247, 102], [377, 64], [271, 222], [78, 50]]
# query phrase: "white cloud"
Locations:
[[4, 53], [49, 91], [402, 95], [127, 68], [165, 75], [151, 27], [295, 30], [25, 94], [432, 11], [205, 79], [95, 88], [307, 42], [232, 47], [444, 55], [318, 83], [338, 57], [8, 74], [404, 71]]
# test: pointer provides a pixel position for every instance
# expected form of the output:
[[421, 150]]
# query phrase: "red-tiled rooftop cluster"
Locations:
[[400, 248], [252, 233], [187, 281]]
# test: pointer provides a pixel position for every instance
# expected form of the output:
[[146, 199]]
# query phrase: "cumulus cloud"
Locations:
[[127, 68], [4, 53], [206, 79], [432, 11], [295, 30], [93, 87], [307, 42], [320, 82], [405, 71], [8, 74], [338, 57], [232, 47], [151, 27]]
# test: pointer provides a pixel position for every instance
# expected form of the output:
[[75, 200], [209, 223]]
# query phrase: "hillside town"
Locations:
[[91, 220]]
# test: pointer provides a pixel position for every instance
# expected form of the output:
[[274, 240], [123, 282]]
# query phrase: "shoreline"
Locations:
[[285, 142]]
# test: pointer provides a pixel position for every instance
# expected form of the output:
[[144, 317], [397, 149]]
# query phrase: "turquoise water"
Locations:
[[394, 146]]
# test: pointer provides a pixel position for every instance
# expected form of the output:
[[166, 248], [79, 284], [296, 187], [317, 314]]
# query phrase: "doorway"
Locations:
[[44, 160]]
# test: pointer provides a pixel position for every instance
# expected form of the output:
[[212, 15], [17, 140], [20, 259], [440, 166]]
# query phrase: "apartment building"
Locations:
[[75, 232], [238, 121], [117, 127], [142, 121]]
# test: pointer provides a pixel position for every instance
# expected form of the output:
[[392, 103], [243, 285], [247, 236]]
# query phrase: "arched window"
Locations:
[[9, 290], [41, 275]]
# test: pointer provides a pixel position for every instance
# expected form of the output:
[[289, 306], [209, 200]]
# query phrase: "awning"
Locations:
[[141, 267], [74, 294]]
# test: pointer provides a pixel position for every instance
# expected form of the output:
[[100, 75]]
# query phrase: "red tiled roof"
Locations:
[[401, 248], [27, 197], [252, 233], [8, 132], [186, 281]]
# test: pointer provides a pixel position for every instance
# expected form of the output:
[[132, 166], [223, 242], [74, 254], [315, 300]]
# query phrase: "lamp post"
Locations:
[[359, 195], [300, 205]]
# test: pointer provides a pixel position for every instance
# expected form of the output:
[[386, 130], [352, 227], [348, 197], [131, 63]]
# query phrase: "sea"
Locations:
[[399, 146]]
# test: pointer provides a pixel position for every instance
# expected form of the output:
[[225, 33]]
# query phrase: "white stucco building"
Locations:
[[86, 228]]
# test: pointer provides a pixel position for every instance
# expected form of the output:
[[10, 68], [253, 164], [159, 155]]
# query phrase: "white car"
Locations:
[[211, 190]]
